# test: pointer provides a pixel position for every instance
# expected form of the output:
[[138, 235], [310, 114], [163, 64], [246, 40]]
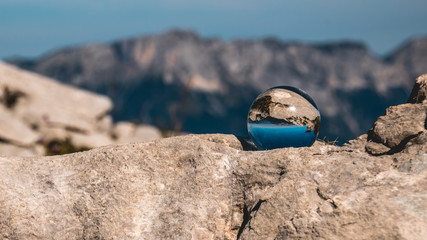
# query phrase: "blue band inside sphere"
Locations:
[[283, 116]]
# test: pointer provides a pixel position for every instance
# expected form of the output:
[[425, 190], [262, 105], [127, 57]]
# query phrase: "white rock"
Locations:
[[126, 132], [8, 150], [13, 130], [48, 102]]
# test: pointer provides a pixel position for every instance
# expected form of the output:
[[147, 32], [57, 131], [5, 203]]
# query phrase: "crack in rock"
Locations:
[[247, 216]]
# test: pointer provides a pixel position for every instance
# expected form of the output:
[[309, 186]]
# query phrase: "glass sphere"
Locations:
[[283, 116]]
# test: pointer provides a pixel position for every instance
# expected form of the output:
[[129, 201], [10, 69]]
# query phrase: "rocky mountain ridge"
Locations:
[[208, 187], [179, 80]]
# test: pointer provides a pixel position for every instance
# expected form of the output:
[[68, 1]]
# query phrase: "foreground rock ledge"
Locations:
[[197, 187], [207, 187]]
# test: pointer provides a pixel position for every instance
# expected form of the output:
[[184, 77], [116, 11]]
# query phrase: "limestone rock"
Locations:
[[198, 187], [13, 150], [90, 140], [105, 124], [376, 148], [126, 132], [419, 91], [35, 110], [337, 195], [401, 124], [43, 100], [226, 140], [175, 188], [12, 129]]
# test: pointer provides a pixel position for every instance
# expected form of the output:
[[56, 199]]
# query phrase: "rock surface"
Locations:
[[35, 110], [125, 132], [419, 91], [206, 187], [401, 124]]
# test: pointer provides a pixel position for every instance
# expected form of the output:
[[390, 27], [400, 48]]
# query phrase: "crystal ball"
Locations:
[[283, 116]]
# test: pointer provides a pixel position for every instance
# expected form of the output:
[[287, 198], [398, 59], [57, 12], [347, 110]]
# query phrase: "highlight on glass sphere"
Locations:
[[283, 116]]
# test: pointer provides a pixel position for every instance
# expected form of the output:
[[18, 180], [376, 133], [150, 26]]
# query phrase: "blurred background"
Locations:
[[196, 66]]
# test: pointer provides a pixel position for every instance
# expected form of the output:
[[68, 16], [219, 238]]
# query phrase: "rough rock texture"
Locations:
[[206, 187], [179, 80], [35, 110], [419, 92], [401, 124], [177, 188]]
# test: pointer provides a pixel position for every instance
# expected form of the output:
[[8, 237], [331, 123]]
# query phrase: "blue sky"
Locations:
[[32, 27]]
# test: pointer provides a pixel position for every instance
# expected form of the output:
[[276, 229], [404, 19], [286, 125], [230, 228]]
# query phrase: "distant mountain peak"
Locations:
[[179, 78]]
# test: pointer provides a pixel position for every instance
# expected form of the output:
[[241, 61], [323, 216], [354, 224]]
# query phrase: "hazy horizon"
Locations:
[[109, 41], [31, 28]]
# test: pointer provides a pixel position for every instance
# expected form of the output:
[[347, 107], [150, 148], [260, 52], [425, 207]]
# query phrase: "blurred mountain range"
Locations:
[[181, 81]]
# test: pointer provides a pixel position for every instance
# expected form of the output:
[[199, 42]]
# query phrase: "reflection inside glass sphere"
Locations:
[[283, 116]]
